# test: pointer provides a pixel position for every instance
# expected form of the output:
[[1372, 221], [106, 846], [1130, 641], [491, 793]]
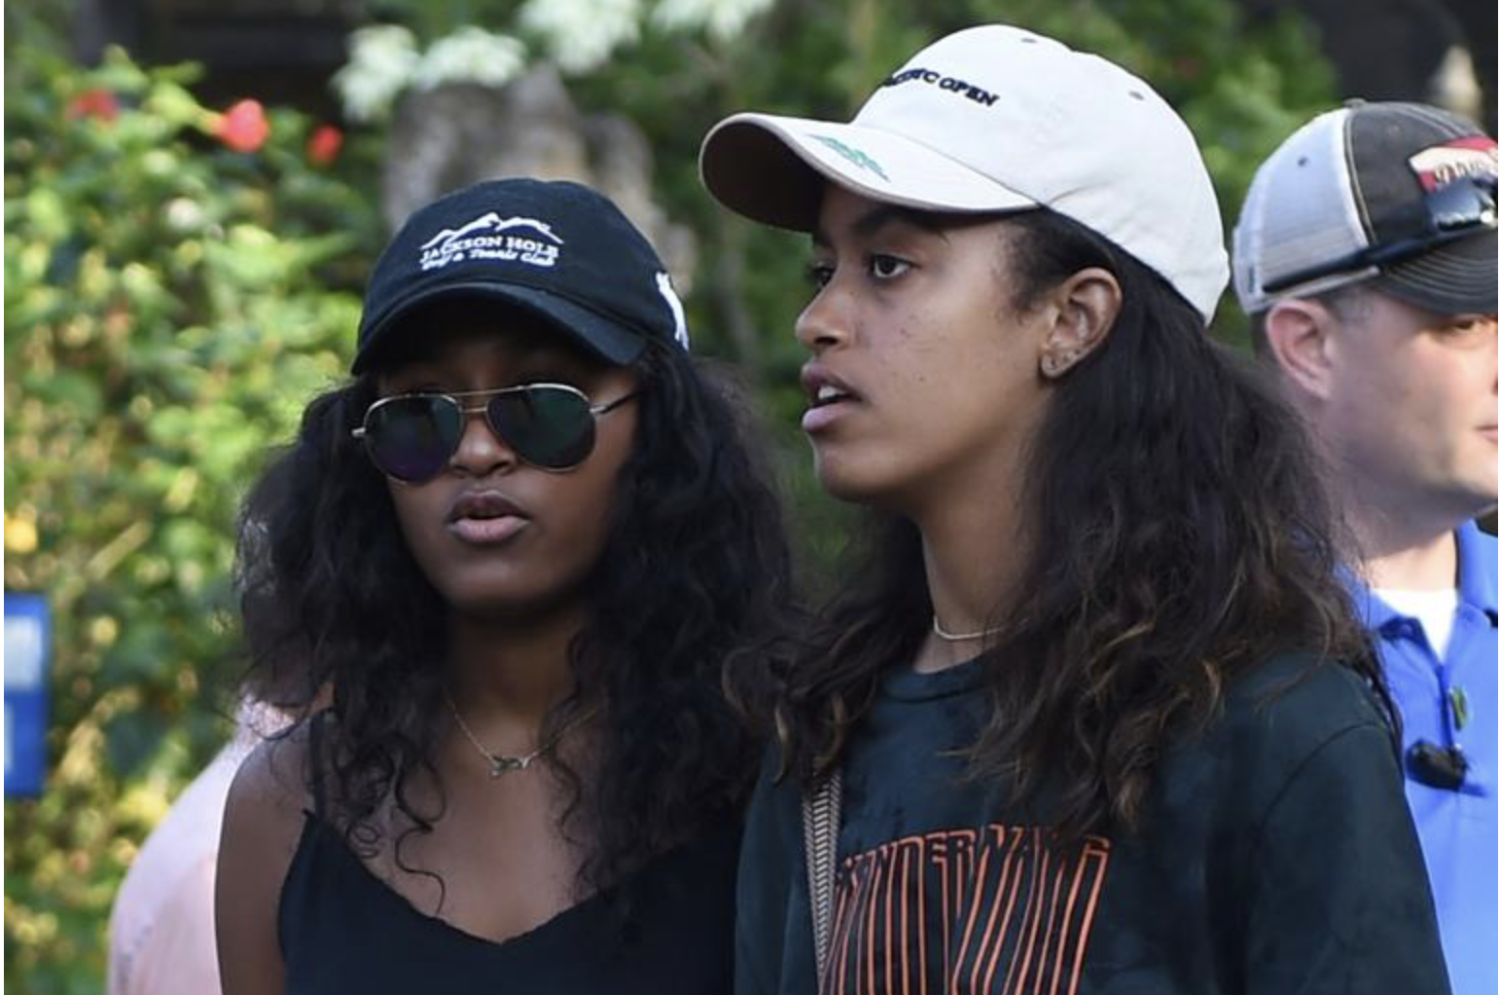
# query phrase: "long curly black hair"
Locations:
[[694, 576], [1181, 535]]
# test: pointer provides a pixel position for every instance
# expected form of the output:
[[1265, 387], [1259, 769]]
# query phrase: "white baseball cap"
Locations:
[[990, 119]]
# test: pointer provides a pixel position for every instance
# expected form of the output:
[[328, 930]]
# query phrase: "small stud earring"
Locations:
[[1051, 366]]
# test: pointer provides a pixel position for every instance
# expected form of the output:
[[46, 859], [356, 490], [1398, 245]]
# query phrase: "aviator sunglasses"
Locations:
[[411, 437], [1456, 209]]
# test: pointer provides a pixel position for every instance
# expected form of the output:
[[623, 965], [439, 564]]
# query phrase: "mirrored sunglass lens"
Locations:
[[411, 438], [546, 426]]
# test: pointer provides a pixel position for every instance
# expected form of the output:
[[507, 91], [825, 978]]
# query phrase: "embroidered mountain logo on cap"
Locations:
[[861, 159], [490, 236]]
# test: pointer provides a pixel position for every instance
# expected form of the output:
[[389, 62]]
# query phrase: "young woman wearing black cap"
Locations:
[[1096, 717], [522, 547]]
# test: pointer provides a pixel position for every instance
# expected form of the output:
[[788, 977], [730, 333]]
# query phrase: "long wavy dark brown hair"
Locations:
[[1180, 536], [694, 575]]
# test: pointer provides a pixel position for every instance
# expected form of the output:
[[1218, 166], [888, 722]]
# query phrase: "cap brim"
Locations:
[[598, 335], [772, 169], [1457, 278]]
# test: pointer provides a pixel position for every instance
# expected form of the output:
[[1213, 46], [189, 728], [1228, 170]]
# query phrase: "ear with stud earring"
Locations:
[[1054, 365]]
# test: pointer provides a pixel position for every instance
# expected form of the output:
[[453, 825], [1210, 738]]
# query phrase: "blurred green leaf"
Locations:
[[132, 739]]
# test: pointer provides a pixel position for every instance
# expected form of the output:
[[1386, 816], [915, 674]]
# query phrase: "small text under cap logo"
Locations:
[[490, 236]]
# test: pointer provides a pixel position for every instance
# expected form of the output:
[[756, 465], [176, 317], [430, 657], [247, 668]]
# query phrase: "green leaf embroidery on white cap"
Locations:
[[860, 158]]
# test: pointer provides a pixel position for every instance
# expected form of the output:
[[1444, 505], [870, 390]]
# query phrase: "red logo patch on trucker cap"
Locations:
[[1442, 164]]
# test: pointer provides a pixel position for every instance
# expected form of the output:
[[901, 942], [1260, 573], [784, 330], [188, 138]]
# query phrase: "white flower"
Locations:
[[721, 19], [185, 215], [382, 61], [580, 35], [471, 55]]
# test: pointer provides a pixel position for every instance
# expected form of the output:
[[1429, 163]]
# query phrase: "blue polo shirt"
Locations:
[[1452, 701]]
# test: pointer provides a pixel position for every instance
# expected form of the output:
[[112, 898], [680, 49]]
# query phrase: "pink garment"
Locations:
[[161, 930]]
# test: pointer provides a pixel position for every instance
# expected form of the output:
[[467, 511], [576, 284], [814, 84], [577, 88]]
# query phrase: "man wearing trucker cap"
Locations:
[[1365, 256]]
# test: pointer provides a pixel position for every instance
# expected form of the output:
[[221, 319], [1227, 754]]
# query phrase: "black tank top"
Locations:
[[344, 931]]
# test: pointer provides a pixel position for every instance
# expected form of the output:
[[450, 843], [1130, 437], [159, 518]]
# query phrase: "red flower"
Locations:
[[95, 103], [243, 127], [323, 144]]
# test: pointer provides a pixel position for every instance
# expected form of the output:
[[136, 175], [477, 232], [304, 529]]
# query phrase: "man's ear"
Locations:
[[1298, 333], [1082, 311]]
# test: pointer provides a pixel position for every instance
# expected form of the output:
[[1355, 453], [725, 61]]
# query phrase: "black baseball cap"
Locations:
[[554, 249], [1401, 195]]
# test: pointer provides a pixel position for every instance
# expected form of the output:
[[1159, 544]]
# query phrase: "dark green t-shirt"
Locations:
[[1278, 858]]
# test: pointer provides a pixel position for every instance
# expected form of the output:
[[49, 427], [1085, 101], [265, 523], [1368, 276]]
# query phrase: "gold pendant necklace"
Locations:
[[501, 763]]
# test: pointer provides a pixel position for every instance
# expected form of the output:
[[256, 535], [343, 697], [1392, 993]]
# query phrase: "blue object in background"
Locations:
[[27, 635]]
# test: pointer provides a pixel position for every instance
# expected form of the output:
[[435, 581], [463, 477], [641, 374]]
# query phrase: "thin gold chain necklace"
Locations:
[[961, 637], [501, 763]]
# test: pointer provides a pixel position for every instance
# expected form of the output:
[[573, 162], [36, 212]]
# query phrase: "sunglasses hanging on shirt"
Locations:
[[1437, 766], [411, 437]]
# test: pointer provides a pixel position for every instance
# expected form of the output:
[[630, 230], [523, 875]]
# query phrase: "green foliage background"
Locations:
[[171, 305]]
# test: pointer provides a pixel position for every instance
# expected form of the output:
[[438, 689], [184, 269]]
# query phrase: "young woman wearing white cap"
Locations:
[[1096, 716], [521, 546]]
